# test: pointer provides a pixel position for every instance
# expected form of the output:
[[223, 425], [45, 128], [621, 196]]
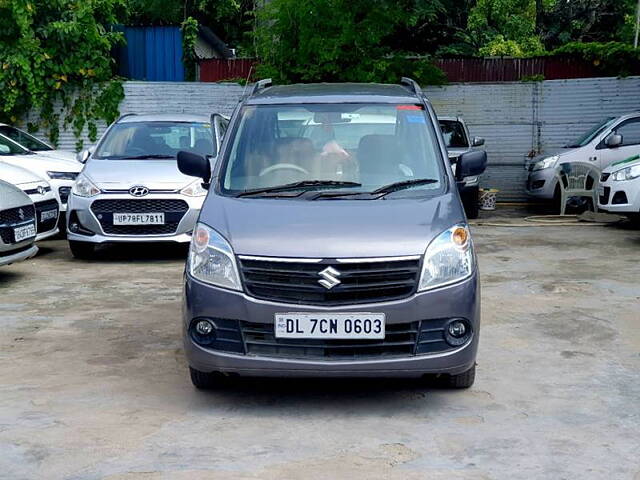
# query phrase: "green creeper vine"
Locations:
[[55, 58], [189, 37]]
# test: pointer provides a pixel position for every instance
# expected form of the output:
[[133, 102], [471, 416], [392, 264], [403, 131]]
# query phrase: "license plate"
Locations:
[[22, 233], [330, 325], [138, 218], [48, 215]]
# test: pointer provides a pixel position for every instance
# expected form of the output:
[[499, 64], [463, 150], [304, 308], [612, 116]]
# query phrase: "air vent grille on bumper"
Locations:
[[173, 211], [360, 282]]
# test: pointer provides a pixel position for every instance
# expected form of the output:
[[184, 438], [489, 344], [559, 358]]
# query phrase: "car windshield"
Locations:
[[591, 134], [346, 147], [24, 139], [149, 140], [9, 147], [454, 134]]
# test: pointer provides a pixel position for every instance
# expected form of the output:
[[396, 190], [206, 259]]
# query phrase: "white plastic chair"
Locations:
[[574, 180]]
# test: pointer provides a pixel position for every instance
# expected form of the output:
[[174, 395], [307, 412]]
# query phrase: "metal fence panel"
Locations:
[[514, 118]]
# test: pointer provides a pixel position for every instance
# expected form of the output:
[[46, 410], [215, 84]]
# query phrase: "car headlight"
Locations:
[[449, 258], [211, 259], [84, 187], [194, 189], [62, 175], [546, 163], [628, 173]]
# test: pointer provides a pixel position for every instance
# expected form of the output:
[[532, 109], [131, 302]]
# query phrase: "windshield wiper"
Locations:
[[146, 156], [304, 185], [394, 187]]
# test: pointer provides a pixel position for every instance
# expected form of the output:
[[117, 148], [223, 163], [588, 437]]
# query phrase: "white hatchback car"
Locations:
[[619, 188], [39, 191], [58, 172], [17, 225], [34, 144]]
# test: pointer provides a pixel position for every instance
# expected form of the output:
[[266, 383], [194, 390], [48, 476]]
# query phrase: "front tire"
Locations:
[[82, 250], [461, 380], [204, 380]]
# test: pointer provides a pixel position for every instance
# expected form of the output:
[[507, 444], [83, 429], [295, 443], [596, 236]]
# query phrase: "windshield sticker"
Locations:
[[416, 119]]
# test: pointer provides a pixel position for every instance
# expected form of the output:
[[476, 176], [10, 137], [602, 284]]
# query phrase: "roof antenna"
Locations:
[[244, 91]]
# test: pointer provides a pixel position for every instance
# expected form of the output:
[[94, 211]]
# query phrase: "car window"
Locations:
[[630, 132], [370, 144], [591, 133], [454, 134], [24, 139], [135, 139], [9, 147]]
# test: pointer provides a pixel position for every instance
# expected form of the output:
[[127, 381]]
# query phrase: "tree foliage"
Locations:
[[339, 40], [59, 50]]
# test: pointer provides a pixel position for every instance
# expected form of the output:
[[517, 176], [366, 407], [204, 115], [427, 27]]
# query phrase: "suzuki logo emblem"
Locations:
[[329, 278], [138, 191], [21, 214]]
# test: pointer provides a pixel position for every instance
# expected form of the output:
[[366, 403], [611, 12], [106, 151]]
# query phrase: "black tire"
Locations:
[[634, 218], [204, 380], [470, 203], [462, 380], [82, 250]]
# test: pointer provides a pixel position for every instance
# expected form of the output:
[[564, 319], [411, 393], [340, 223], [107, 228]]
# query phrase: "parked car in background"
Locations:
[[619, 188], [458, 141], [34, 144], [59, 173], [17, 225], [39, 191], [611, 140], [131, 189], [342, 253]]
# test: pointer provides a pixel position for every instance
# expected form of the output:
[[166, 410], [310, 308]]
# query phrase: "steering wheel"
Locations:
[[282, 166]]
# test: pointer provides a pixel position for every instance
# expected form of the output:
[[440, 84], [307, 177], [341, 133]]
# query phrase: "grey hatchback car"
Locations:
[[332, 241]]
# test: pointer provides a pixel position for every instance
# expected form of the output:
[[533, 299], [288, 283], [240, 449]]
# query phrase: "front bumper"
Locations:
[[80, 208], [7, 258], [541, 184], [619, 197], [459, 300]]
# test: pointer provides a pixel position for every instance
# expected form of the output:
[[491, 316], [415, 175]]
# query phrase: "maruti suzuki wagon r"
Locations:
[[332, 241]]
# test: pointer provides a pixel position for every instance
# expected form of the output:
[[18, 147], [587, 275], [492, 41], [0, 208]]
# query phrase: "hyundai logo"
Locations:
[[329, 278], [139, 191], [21, 214], [41, 190]]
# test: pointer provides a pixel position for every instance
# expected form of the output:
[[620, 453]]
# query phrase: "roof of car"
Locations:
[[333, 93], [164, 117]]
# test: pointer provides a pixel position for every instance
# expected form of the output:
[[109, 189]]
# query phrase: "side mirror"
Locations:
[[471, 164], [83, 156], [477, 141], [614, 140], [194, 165]]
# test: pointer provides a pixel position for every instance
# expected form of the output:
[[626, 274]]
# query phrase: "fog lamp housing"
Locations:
[[203, 331], [457, 332]]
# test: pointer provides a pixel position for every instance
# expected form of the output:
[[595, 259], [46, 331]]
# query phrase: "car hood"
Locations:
[[331, 228], [628, 162], [17, 175], [40, 164], [12, 196], [61, 155], [456, 152], [560, 153], [124, 174]]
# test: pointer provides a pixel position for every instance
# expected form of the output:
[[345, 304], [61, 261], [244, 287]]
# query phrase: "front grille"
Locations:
[[46, 206], [604, 199], [401, 340], [173, 211], [33, 191], [11, 217], [604, 177], [64, 194], [360, 282]]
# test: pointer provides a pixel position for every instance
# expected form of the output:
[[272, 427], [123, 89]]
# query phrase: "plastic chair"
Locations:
[[577, 179]]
